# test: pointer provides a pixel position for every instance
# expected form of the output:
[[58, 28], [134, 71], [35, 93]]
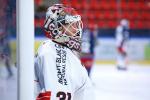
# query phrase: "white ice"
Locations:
[[109, 83], [112, 84]]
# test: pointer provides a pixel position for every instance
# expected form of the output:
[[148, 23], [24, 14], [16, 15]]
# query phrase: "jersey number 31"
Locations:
[[64, 96]]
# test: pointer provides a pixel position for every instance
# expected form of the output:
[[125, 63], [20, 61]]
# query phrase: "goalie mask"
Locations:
[[63, 25]]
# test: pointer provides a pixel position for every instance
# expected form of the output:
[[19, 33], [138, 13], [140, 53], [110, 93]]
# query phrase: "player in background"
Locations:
[[5, 31], [89, 41], [5, 53], [122, 36], [59, 74]]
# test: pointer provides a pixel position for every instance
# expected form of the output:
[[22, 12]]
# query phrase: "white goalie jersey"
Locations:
[[59, 74]]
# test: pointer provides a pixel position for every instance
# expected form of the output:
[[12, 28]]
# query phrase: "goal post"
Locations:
[[25, 49]]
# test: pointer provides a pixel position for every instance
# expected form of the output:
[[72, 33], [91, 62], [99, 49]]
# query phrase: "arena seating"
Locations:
[[111, 11], [107, 13]]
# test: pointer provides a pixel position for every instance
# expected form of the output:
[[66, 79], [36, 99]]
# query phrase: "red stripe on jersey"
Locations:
[[44, 96], [87, 62]]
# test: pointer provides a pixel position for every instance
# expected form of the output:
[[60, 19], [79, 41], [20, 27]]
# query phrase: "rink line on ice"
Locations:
[[142, 62]]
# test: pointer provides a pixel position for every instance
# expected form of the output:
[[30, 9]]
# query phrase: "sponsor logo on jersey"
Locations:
[[61, 64]]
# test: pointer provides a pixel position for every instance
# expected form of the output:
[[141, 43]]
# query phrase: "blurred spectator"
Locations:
[[122, 35], [11, 16], [89, 40], [6, 27]]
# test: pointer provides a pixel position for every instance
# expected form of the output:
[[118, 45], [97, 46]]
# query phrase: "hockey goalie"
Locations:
[[59, 74]]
